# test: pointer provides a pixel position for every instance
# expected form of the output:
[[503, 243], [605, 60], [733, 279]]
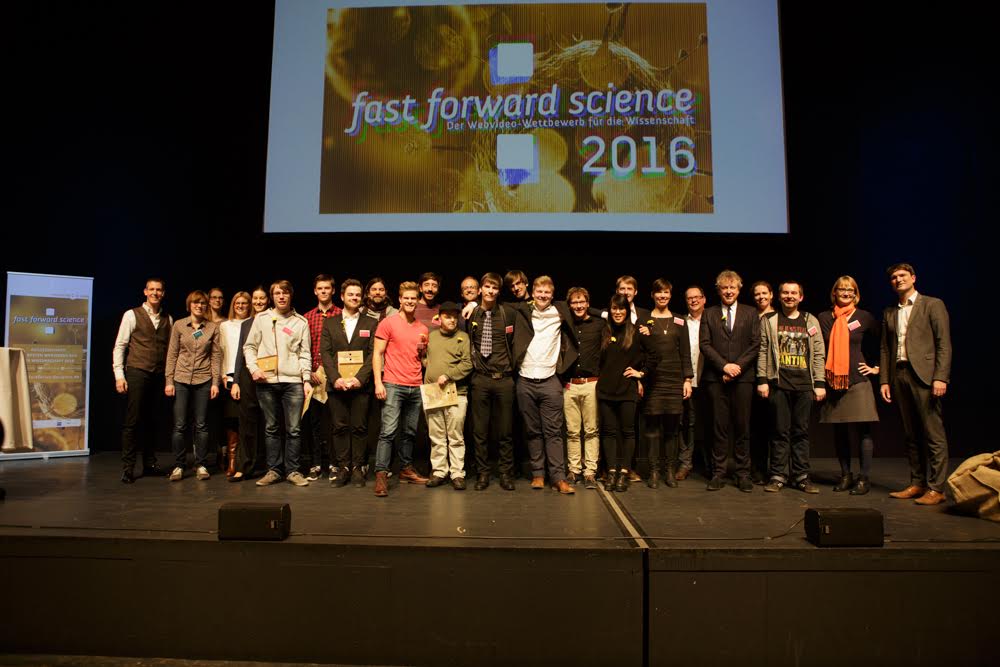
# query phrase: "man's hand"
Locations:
[[820, 393], [467, 310], [886, 394], [307, 388], [314, 379], [641, 390], [258, 376], [732, 370], [442, 381], [234, 391], [939, 388], [213, 393], [763, 390], [340, 384], [354, 383], [121, 386], [379, 390], [169, 390]]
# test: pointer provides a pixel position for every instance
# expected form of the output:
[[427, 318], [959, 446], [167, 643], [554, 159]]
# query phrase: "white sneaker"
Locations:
[[314, 473], [202, 473], [270, 478], [297, 479], [177, 474]]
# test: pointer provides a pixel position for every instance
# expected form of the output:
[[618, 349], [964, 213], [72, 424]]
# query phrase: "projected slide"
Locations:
[[606, 116]]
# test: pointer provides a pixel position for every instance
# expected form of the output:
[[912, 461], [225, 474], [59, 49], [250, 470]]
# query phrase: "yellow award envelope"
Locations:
[[435, 397], [268, 364], [349, 362]]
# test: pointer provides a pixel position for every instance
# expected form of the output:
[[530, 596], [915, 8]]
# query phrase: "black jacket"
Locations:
[[524, 332], [720, 347], [334, 340]]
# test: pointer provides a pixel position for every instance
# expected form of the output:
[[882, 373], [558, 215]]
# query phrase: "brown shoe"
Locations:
[[633, 476], [912, 491], [381, 484], [232, 442], [564, 487], [682, 474], [538, 482], [932, 497], [409, 474]]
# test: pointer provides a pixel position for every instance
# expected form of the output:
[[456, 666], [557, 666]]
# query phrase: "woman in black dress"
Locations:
[[626, 357], [669, 385], [850, 401]]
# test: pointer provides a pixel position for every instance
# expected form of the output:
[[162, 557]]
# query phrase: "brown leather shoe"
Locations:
[[912, 491], [932, 497], [633, 476], [538, 482], [381, 484], [564, 487], [409, 474], [682, 474]]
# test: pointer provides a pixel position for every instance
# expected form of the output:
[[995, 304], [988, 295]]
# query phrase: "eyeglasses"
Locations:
[[695, 298], [199, 303], [846, 291]]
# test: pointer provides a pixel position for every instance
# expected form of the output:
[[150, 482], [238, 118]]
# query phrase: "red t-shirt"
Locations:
[[405, 344]]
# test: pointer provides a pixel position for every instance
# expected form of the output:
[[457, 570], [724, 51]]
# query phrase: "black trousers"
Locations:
[[617, 432], [491, 402], [789, 433], [316, 436], [144, 399], [541, 406], [730, 412], [248, 451], [349, 416], [923, 426]]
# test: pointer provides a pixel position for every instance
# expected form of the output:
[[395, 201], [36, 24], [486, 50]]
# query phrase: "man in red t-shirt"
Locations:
[[400, 345]]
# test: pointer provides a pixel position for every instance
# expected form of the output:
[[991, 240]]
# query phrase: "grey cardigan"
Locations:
[[767, 358]]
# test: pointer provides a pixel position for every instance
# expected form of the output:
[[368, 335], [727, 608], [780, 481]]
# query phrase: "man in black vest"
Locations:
[[140, 356], [729, 341], [348, 391]]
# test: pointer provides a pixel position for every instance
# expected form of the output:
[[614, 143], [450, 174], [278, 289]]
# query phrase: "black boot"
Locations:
[[862, 487], [671, 477], [622, 481], [654, 479], [845, 483]]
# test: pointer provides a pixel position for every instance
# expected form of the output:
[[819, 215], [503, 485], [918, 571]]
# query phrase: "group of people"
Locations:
[[580, 380]]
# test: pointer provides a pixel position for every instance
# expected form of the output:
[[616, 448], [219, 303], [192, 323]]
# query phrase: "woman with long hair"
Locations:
[[626, 357], [244, 391], [849, 333], [229, 337]]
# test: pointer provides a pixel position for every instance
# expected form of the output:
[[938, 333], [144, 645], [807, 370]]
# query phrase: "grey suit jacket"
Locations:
[[928, 341]]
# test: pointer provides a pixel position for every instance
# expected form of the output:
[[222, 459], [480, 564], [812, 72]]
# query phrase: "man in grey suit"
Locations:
[[915, 370]]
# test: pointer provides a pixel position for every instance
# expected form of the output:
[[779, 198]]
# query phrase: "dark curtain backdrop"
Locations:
[[139, 133]]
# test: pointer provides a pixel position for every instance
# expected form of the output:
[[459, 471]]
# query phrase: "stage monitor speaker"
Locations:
[[254, 521], [845, 527]]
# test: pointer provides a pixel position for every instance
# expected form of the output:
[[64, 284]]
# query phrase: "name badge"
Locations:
[[509, 329], [365, 333], [287, 331], [198, 334], [811, 331], [678, 321], [851, 326]]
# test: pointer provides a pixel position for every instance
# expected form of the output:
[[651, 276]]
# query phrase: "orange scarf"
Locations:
[[838, 356]]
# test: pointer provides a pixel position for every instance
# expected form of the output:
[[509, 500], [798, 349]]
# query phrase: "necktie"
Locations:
[[486, 338], [729, 320]]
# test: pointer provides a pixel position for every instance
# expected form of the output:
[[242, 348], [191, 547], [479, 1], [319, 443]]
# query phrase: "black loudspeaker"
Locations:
[[254, 521], [845, 527]]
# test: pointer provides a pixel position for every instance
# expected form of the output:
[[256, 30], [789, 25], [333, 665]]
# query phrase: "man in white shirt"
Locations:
[[144, 334], [694, 415], [544, 347]]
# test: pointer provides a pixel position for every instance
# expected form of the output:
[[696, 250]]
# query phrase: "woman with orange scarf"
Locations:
[[850, 402]]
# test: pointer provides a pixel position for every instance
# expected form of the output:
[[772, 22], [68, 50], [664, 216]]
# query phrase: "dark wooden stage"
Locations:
[[433, 576]]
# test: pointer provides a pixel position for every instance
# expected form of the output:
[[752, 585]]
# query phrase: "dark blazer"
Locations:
[[241, 361], [720, 347], [928, 341], [334, 340], [524, 331]]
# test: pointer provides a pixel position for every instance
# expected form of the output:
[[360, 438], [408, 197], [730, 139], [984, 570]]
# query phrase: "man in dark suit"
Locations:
[[544, 348], [348, 393], [915, 369], [729, 340]]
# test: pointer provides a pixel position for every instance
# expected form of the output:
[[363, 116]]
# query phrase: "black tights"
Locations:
[[662, 429], [617, 433], [843, 435]]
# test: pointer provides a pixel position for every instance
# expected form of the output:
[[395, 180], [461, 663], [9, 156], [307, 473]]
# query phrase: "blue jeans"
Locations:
[[402, 404], [195, 395], [275, 399]]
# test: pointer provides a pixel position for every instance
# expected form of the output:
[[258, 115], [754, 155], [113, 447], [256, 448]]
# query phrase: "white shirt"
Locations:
[[543, 351], [125, 335], [230, 339], [725, 311], [902, 324], [694, 330], [350, 323]]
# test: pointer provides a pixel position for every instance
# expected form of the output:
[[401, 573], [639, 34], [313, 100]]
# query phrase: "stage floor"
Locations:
[[83, 497]]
